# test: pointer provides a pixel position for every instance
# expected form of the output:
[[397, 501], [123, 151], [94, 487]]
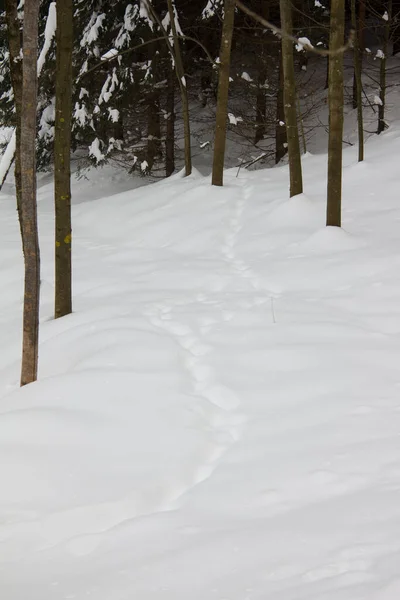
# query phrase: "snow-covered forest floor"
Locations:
[[220, 417]]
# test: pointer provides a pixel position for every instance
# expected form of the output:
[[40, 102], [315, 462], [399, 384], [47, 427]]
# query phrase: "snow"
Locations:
[[219, 418], [144, 12], [233, 120], [93, 28], [246, 77], [166, 22], [7, 157], [211, 8], [95, 150], [303, 43], [110, 54], [49, 33]]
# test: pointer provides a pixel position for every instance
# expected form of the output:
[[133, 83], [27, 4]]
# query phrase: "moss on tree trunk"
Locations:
[[62, 159]]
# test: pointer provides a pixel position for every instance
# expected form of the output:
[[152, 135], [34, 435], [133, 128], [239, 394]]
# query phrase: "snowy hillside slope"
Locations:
[[220, 417]]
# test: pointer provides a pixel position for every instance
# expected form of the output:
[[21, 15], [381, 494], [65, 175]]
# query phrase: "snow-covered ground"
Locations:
[[220, 417]]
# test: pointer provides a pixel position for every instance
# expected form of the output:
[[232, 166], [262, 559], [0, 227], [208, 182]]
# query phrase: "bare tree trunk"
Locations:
[[382, 78], [170, 134], [62, 159], [359, 26], [261, 99], [335, 95], [180, 73], [301, 123], [296, 178], [223, 93], [280, 131], [14, 46], [30, 345], [153, 128], [396, 26], [358, 84], [261, 103], [327, 74]]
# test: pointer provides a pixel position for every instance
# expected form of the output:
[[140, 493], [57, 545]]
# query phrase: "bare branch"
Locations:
[[278, 31]]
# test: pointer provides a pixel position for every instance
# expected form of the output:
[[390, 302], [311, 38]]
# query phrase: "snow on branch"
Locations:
[[49, 33], [211, 8], [50, 30]]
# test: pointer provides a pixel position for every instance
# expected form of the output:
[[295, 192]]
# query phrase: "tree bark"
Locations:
[[153, 112], [62, 159], [223, 93], [335, 96], [382, 77], [280, 131], [170, 133], [261, 99], [14, 46], [180, 73], [359, 26], [30, 345], [358, 84], [296, 178]]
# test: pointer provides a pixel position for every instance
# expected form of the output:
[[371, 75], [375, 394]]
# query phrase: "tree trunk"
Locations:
[[296, 178], [261, 103], [180, 73], [382, 78], [335, 96], [153, 128], [280, 131], [14, 46], [62, 159], [223, 93], [359, 27], [261, 99], [358, 84], [27, 151], [170, 134]]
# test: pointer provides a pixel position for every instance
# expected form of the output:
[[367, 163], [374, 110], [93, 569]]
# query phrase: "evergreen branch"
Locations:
[[128, 50]]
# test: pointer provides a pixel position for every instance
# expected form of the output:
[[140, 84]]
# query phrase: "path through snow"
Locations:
[[220, 417]]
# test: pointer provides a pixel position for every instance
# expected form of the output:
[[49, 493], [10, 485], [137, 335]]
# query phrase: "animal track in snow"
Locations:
[[224, 423]]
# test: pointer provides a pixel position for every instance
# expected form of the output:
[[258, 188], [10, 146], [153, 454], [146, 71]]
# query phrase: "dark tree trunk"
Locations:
[[153, 128], [296, 178], [62, 159], [261, 103], [382, 77], [334, 204], [358, 84], [153, 111], [170, 133], [280, 131], [14, 46], [223, 93], [27, 150], [180, 73], [261, 99]]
